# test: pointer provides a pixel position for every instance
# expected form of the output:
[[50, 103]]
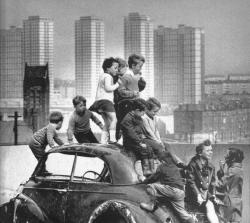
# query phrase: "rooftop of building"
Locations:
[[230, 78], [219, 104]]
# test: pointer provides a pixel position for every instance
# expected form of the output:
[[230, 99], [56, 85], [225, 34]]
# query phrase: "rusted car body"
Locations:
[[98, 184]]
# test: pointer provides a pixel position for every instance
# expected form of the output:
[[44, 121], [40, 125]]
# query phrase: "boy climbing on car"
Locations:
[[79, 122], [166, 184], [47, 136]]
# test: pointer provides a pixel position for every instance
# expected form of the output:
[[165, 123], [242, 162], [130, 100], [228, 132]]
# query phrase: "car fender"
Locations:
[[129, 210], [23, 203]]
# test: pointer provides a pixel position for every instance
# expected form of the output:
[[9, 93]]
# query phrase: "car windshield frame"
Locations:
[[38, 176]]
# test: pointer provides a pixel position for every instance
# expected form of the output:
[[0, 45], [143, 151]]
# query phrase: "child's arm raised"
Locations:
[[70, 130], [51, 132]]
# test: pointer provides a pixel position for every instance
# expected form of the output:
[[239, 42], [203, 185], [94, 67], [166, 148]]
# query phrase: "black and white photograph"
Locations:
[[124, 111]]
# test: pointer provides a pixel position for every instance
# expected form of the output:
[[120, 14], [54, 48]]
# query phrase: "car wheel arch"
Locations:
[[118, 207], [23, 201]]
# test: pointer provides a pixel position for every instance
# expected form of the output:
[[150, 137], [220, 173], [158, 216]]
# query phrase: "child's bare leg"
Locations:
[[112, 125], [105, 133], [139, 171]]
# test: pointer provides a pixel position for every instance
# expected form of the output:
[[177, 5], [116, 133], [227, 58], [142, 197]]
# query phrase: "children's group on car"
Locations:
[[129, 118]]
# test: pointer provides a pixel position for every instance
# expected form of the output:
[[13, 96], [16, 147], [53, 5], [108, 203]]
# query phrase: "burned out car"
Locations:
[[90, 183]]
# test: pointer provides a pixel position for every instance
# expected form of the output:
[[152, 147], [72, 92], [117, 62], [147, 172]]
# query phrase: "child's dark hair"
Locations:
[[78, 99], [135, 59], [234, 156], [139, 104], [152, 103], [55, 117], [108, 62], [200, 147]]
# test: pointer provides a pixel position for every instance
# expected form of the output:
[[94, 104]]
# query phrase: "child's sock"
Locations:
[[104, 137], [138, 170], [112, 135]]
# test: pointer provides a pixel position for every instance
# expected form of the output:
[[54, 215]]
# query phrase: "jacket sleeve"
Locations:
[[191, 176], [212, 185], [125, 93], [58, 140], [128, 130], [51, 132]]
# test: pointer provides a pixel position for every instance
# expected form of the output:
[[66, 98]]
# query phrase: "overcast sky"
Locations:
[[226, 24]]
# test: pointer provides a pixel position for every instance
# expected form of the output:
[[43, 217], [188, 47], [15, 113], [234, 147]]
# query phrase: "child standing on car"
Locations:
[[79, 124], [131, 84], [122, 69], [47, 136], [133, 138], [104, 99]]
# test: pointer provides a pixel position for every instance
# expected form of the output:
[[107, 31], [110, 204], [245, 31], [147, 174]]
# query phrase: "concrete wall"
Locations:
[[7, 133], [186, 151]]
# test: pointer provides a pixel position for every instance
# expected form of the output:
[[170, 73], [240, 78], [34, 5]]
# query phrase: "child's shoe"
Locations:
[[46, 173], [112, 137]]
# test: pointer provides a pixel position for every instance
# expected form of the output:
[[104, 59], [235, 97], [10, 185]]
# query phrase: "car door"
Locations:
[[50, 191], [87, 189]]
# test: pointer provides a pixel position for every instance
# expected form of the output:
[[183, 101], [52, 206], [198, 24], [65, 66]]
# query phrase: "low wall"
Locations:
[[7, 134]]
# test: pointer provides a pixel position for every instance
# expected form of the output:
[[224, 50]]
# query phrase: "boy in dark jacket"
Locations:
[[200, 186], [167, 183], [133, 138]]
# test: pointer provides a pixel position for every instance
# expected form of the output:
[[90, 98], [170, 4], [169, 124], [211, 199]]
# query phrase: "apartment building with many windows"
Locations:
[[11, 71], [39, 44], [179, 64], [89, 54]]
